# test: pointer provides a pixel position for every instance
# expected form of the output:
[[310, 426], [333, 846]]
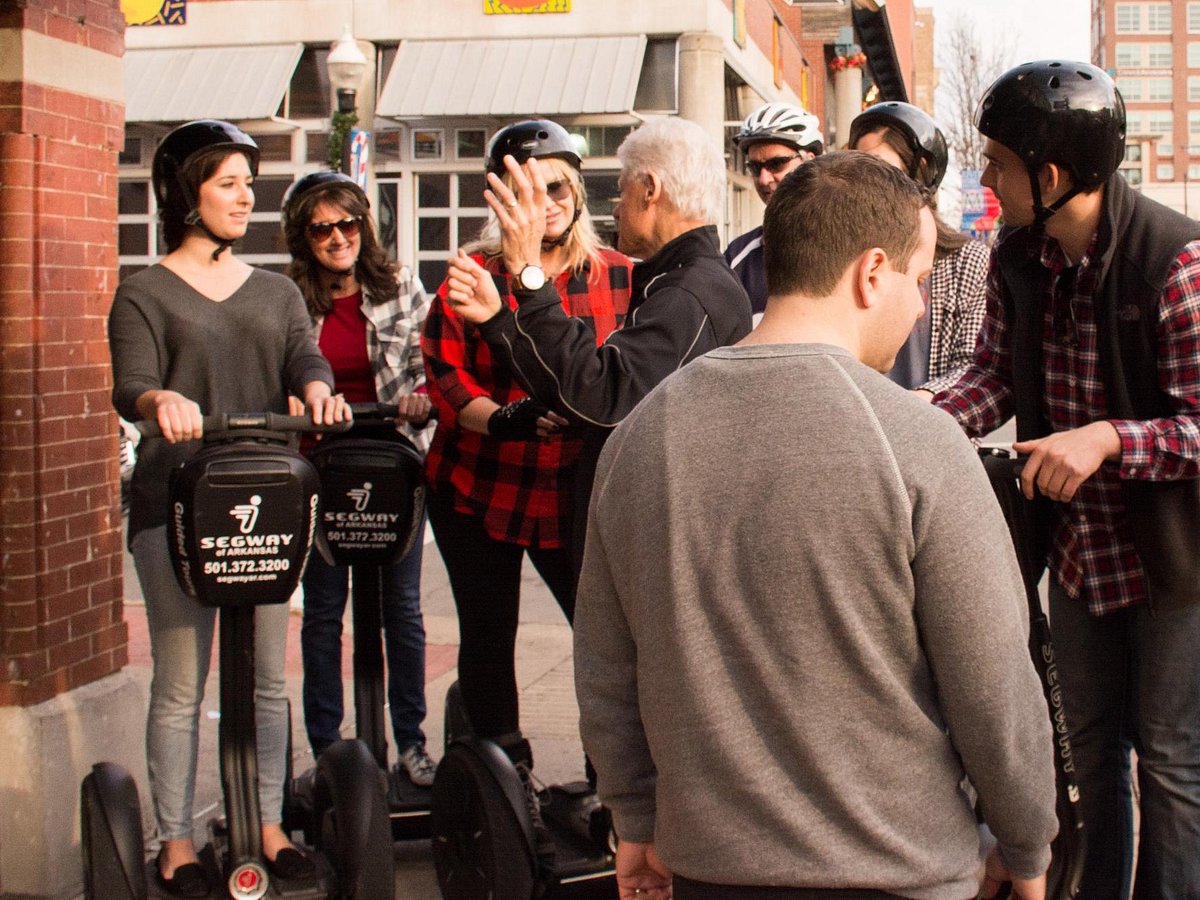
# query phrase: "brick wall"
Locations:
[[61, 621]]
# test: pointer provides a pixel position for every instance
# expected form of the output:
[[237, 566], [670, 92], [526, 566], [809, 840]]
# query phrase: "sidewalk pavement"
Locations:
[[549, 715]]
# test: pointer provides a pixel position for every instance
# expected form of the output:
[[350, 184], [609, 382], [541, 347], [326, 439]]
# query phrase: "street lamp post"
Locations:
[[346, 65]]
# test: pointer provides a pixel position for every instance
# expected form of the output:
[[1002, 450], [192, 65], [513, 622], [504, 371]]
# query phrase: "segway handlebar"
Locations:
[[375, 412], [230, 422]]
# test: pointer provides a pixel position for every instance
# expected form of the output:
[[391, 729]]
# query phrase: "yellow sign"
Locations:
[[503, 7], [154, 12]]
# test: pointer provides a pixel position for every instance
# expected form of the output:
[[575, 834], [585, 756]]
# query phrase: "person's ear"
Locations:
[[868, 275], [652, 189], [1054, 180]]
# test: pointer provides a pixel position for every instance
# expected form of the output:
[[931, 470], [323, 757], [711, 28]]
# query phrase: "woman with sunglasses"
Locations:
[[942, 343], [500, 467], [368, 314], [204, 333]]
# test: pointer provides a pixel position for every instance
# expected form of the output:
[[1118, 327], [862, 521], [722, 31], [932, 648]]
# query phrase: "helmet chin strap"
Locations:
[[1040, 212], [223, 244], [336, 284], [548, 244]]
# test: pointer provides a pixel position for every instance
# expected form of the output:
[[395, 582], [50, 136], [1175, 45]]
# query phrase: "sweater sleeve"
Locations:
[[556, 359], [606, 686], [303, 360], [973, 619], [135, 353]]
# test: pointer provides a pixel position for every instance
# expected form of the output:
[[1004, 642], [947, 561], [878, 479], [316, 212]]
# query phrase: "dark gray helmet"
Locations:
[[925, 140], [532, 138], [1057, 111], [310, 182], [186, 141]]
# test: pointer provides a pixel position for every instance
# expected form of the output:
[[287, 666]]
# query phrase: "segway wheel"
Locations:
[[351, 824], [114, 866], [480, 848]]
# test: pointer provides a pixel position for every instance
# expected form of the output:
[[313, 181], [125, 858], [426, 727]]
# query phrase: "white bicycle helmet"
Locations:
[[782, 123]]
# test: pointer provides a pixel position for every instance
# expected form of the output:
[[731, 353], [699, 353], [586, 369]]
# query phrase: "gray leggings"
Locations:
[[181, 634]]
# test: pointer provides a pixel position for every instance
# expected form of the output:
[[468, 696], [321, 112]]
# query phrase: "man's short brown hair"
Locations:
[[828, 212]]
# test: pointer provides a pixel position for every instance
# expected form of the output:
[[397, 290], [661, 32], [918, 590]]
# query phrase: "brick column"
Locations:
[[61, 625]]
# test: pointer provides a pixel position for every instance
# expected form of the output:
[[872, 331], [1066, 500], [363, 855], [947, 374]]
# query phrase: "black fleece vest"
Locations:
[[1138, 242]]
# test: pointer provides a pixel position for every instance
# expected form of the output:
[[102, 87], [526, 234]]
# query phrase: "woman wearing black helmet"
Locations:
[[500, 473], [173, 330], [942, 343], [368, 313]]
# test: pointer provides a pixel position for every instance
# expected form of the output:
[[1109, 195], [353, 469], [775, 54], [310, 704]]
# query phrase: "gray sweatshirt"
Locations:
[[800, 624], [243, 354]]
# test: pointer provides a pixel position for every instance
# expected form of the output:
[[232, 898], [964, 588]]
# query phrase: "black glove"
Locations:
[[517, 421]]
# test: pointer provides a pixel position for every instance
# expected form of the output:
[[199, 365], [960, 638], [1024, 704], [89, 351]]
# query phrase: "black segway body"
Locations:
[[372, 495], [242, 522], [243, 517], [1069, 848], [484, 844]]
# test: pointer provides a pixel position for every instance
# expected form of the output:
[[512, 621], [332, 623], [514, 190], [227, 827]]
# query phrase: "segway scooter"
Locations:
[[1069, 848], [484, 845], [243, 513], [372, 494]]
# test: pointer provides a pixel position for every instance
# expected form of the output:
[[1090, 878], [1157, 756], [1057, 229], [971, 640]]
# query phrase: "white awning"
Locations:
[[513, 77], [181, 84]]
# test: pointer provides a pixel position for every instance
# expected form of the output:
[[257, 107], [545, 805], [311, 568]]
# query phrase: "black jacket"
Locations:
[[686, 301], [1138, 242]]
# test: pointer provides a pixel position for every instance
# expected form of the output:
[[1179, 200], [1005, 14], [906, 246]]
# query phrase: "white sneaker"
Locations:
[[416, 764]]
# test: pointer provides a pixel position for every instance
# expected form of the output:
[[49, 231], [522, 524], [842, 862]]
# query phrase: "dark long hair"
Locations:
[[948, 239], [374, 271]]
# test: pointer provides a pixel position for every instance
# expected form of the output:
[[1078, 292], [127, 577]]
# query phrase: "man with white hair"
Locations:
[[685, 299]]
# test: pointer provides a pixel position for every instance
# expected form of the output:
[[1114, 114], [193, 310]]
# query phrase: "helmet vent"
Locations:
[[1086, 75], [1054, 82], [1055, 64]]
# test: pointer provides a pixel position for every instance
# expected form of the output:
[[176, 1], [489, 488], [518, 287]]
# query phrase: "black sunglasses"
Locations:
[[323, 231], [774, 165]]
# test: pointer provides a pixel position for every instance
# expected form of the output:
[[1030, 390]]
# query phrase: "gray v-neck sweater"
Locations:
[[242, 354]]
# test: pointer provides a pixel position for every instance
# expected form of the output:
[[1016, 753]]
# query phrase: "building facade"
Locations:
[[441, 79], [1152, 49]]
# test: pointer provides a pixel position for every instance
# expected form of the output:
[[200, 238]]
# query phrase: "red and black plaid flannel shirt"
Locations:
[[1092, 554], [520, 489]]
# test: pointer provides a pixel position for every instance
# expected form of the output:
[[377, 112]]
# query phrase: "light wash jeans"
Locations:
[[181, 635]]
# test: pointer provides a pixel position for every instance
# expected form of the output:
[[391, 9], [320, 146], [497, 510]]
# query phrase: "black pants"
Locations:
[[485, 577], [686, 889]]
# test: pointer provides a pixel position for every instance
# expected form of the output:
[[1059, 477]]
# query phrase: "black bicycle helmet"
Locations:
[[781, 123], [919, 131], [1057, 111], [310, 182], [532, 138], [183, 143]]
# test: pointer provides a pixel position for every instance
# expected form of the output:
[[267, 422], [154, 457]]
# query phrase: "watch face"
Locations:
[[532, 278]]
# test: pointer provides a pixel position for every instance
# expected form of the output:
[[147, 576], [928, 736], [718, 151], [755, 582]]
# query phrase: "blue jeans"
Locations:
[[1131, 680], [325, 592], [181, 633]]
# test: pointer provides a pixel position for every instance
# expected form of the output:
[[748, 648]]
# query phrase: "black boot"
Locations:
[[518, 750]]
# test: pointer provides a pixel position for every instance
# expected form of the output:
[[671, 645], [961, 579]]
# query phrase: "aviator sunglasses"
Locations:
[[323, 231], [774, 165], [558, 190]]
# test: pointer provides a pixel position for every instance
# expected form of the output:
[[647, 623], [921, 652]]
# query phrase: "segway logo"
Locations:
[[361, 496], [247, 514]]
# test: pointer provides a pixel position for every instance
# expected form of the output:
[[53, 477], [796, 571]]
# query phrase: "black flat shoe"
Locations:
[[289, 863], [188, 880]]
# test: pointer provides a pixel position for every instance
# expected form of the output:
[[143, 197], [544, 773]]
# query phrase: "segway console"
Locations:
[[243, 512], [372, 495], [484, 841]]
